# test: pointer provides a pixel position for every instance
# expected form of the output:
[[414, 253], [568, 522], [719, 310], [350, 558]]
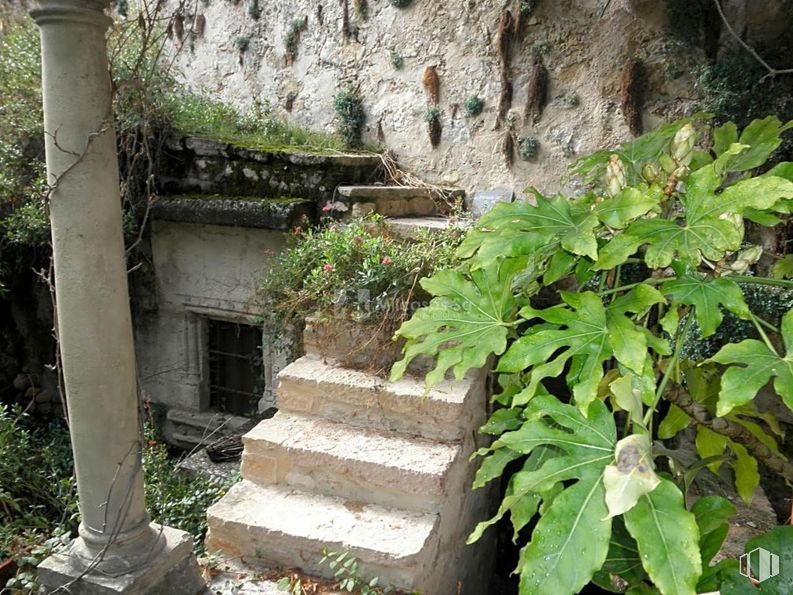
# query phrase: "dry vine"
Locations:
[[772, 72]]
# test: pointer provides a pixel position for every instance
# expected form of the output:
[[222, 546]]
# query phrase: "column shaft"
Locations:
[[95, 329]]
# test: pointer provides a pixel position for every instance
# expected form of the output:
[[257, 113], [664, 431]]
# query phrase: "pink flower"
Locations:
[[327, 267], [327, 208], [386, 261]]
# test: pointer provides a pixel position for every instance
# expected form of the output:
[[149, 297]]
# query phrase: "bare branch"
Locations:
[[772, 72]]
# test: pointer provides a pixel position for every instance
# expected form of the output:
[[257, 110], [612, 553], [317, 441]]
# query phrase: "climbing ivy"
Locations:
[[586, 305]]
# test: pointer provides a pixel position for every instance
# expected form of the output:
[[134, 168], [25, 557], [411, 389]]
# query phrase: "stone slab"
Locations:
[[447, 412], [334, 458], [283, 527], [484, 200], [238, 211], [197, 165], [192, 429], [198, 464], [172, 571], [376, 192], [410, 227]]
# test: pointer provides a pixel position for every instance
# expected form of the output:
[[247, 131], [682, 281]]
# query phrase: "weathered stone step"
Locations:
[[398, 201], [206, 166], [410, 227], [283, 527], [240, 211], [190, 429], [336, 459], [313, 386]]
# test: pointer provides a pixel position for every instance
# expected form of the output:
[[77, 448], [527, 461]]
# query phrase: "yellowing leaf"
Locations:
[[632, 476]]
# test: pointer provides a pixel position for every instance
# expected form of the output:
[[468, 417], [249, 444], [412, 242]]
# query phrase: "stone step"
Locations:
[[283, 527], [410, 227], [318, 387], [336, 459], [398, 201], [239, 211], [192, 429]]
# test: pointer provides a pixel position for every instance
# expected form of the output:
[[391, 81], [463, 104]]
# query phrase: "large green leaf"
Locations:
[[562, 445], [569, 543], [706, 230], [763, 138], [667, 536], [667, 240], [466, 322], [713, 514], [707, 295], [584, 336], [753, 365], [675, 421], [629, 204], [522, 229], [622, 561]]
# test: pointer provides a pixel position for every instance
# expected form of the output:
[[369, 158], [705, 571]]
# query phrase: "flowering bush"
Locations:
[[359, 270]]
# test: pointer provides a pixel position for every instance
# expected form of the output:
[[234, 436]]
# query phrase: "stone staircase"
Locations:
[[354, 463], [407, 208]]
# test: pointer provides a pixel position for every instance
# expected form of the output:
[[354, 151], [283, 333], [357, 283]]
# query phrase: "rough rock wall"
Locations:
[[584, 45]]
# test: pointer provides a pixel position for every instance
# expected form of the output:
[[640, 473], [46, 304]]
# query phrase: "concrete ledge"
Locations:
[[239, 211], [208, 166], [172, 571]]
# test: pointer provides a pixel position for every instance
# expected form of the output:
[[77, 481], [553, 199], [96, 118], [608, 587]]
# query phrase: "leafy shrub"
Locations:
[[349, 116], [358, 270], [38, 500], [173, 498], [37, 491], [22, 173], [588, 305]]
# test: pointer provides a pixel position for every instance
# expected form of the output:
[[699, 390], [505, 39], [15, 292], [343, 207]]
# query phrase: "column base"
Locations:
[[173, 571]]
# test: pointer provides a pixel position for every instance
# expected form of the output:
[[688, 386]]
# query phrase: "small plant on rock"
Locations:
[[242, 44], [433, 119], [474, 106], [397, 61], [348, 579], [292, 38], [527, 148]]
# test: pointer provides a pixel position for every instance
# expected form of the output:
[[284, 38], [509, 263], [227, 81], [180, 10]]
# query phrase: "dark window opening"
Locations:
[[236, 367]]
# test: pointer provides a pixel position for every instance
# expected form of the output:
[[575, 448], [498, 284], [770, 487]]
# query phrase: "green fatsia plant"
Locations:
[[593, 308]]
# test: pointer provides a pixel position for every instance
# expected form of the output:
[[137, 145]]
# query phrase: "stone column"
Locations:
[[118, 549]]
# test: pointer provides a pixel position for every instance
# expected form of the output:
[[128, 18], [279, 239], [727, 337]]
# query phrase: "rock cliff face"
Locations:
[[296, 54]]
